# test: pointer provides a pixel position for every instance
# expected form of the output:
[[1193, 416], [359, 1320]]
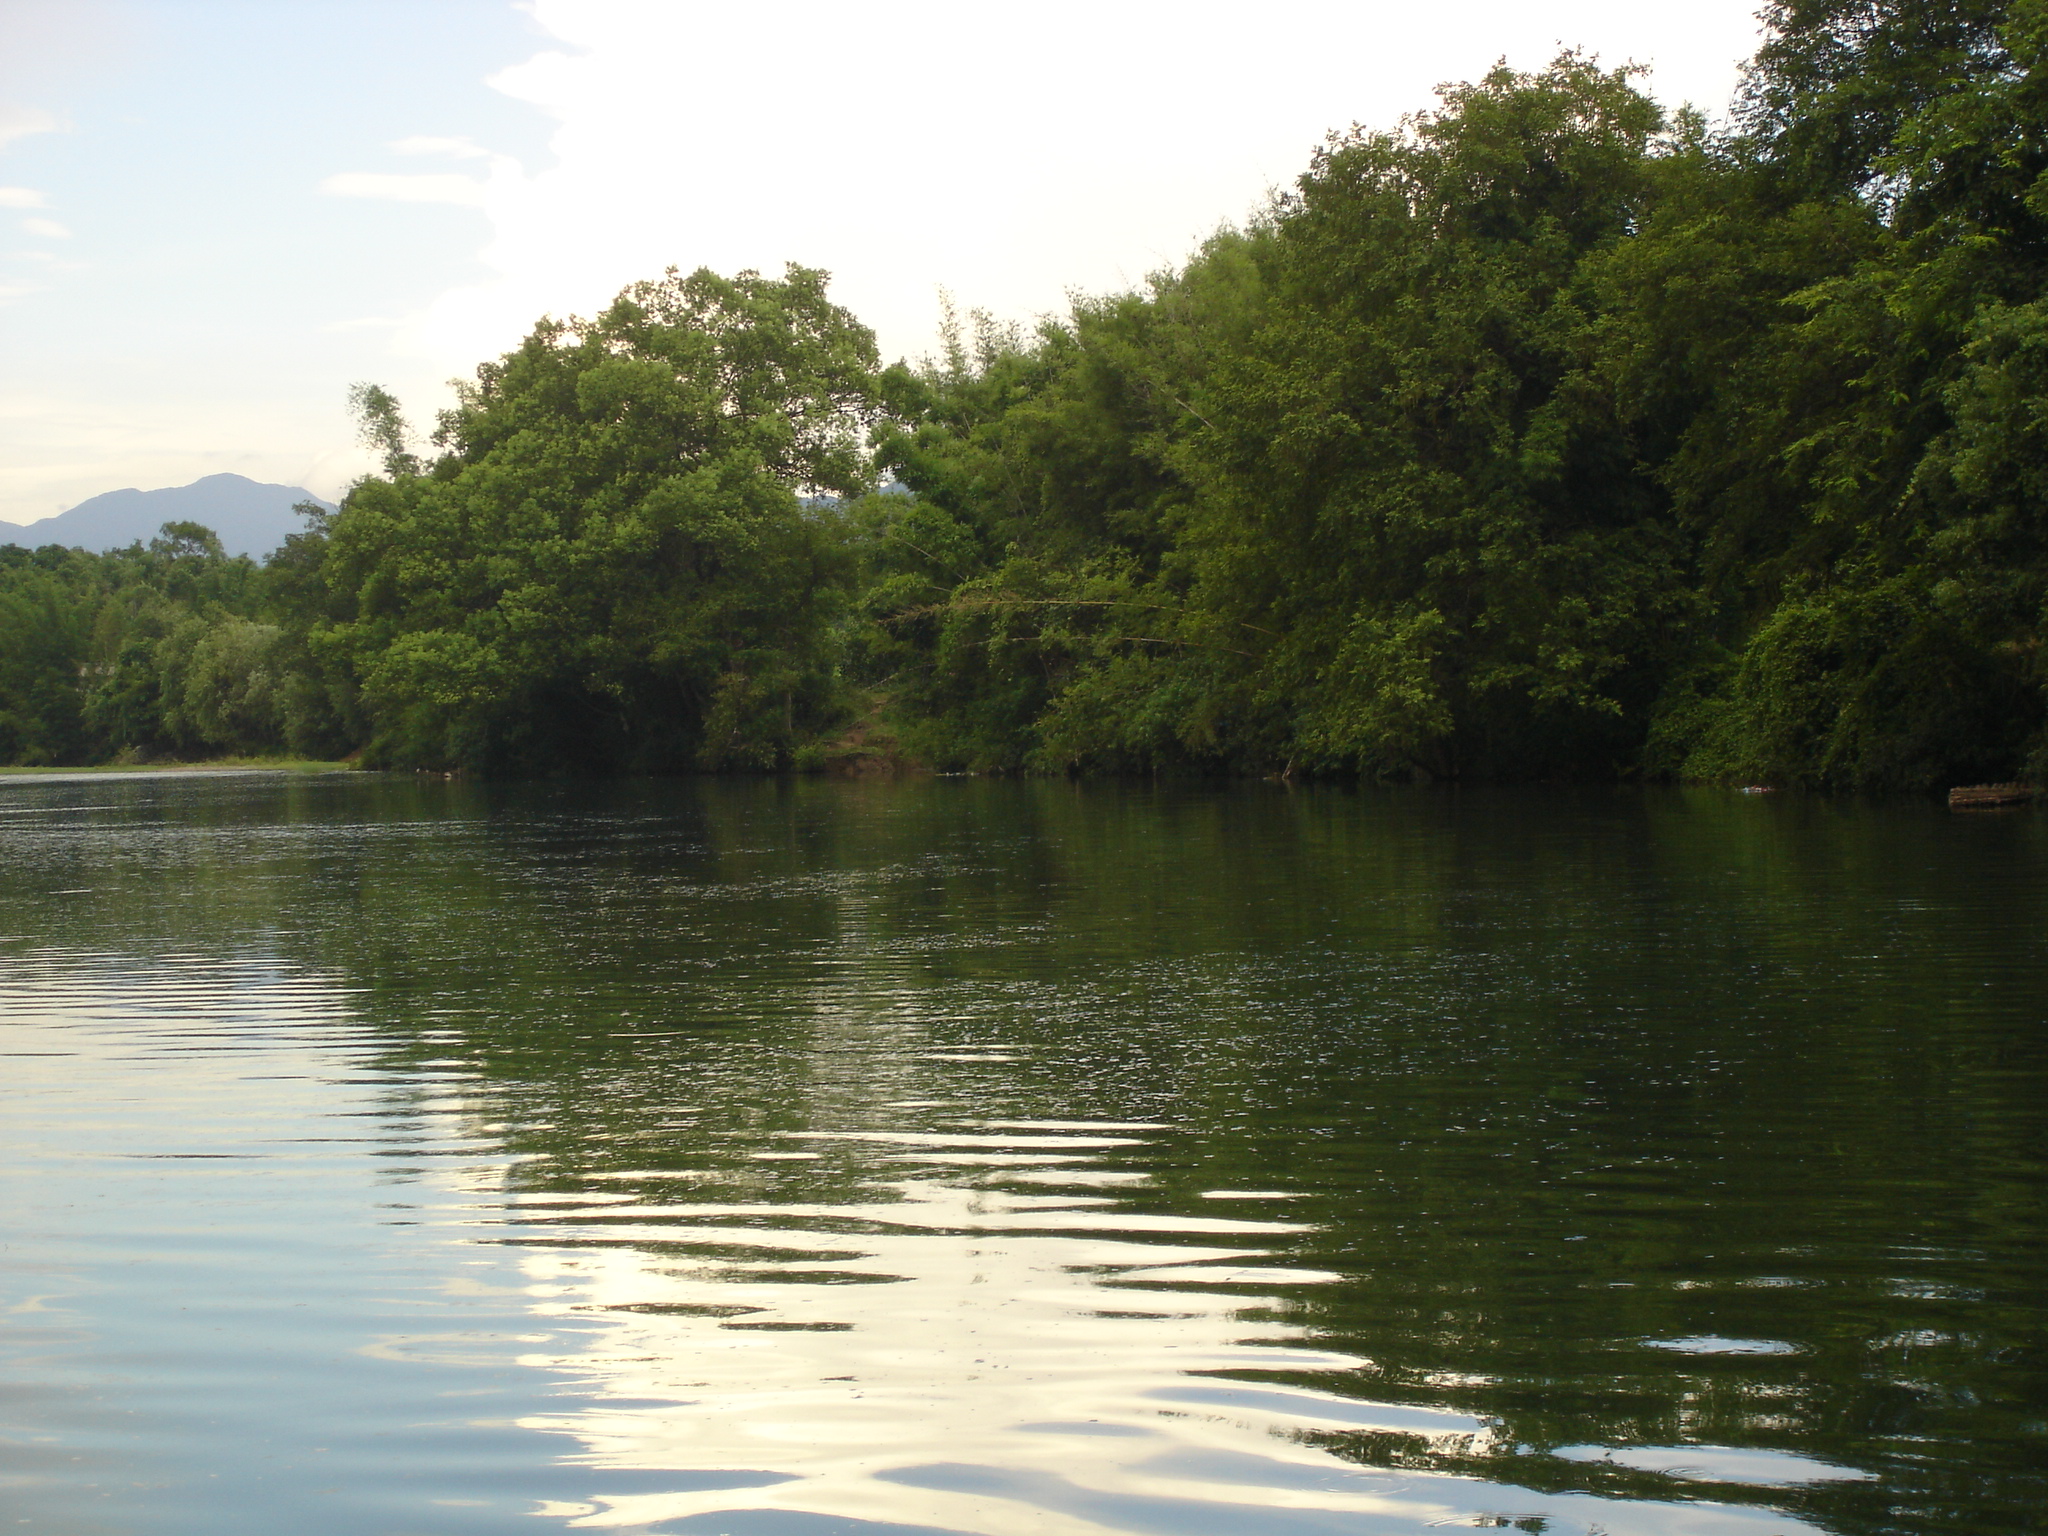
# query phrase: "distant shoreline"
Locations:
[[216, 768]]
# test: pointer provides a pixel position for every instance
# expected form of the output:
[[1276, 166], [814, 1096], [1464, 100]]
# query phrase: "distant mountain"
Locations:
[[251, 519]]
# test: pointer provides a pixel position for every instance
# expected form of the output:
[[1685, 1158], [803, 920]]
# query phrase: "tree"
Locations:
[[1417, 513], [609, 565], [1868, 453], [42, 641]]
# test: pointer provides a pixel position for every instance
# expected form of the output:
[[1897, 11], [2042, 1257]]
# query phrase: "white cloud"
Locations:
[[456, 149], [21, 197], [463, 191], [49, 229], [18, 122], [1009, 154]]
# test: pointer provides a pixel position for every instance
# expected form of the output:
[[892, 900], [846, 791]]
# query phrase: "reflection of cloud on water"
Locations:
[[965, 1313], [974, 1324], [1708, 1344], [1005, 1361]]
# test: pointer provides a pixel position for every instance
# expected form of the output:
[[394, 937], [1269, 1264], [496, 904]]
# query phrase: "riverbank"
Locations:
[[161, 770]]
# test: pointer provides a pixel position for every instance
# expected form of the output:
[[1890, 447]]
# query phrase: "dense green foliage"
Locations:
[[608, 565], [175, 650], [1543, 435]]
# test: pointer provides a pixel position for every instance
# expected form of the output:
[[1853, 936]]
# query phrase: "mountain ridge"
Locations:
[[251, 517]]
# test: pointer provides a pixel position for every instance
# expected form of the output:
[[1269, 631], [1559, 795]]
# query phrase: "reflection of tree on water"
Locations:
[[1554, 1078]]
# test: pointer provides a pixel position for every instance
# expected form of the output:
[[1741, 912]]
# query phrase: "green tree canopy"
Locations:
[[609, 564]]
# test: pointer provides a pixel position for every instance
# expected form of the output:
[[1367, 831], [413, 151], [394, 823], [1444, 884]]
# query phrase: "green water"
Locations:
[[853, 1159]]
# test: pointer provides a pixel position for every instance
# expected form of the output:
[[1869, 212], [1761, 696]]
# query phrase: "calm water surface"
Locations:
[[866, 1159]]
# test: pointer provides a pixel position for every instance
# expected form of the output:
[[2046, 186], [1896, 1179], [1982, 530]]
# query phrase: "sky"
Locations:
[[217, 215]]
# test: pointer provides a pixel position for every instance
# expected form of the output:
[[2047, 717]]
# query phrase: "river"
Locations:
[[383, 1157]]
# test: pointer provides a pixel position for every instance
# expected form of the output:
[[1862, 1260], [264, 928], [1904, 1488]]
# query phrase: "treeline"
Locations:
[[1546, 435], [173, 651]]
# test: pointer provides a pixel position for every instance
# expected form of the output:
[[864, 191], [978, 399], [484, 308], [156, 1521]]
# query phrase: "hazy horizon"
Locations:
[[250, 517]]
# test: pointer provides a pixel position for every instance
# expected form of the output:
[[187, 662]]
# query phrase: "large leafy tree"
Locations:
[[1859, 457], [1419, 514], [616, 559], [1837, 84], [1346, 494]]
